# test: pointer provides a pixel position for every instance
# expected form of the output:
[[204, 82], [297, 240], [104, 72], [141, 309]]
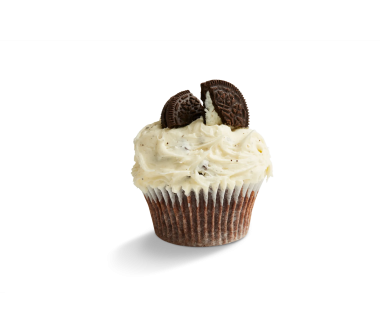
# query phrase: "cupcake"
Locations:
[[200, 167]]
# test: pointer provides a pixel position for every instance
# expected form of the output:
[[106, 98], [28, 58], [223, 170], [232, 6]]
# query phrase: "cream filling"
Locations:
[[199, 156], [212, 117]]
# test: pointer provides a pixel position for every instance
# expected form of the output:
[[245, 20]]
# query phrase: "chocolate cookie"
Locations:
[[163, 114], [228, 102], [181, 110]]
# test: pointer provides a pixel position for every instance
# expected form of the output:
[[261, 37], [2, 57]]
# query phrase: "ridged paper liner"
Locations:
[[203, 219]]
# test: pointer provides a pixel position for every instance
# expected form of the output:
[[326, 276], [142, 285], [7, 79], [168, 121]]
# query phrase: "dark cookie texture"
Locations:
[[228, 102], [163, 114], [181, 110]]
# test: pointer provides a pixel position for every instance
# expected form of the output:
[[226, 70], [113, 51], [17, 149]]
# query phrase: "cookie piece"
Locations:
[[163, 114], [228, 102], [181, 110]]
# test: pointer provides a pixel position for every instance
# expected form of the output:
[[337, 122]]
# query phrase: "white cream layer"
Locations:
[[199, 156], [212, 118]]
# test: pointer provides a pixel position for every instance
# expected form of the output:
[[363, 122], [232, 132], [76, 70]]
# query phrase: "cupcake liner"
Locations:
[[202, 219]]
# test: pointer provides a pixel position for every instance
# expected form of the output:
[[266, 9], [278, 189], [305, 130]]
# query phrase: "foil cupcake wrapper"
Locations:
[[202, 219]]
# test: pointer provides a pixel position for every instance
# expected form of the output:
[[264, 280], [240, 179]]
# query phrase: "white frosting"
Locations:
[[212, 118], [199, 156]]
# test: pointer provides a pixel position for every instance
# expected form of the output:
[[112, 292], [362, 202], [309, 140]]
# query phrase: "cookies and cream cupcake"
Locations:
[[200, 168]]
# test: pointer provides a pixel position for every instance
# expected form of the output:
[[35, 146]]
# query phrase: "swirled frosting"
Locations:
[[199, 156]]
